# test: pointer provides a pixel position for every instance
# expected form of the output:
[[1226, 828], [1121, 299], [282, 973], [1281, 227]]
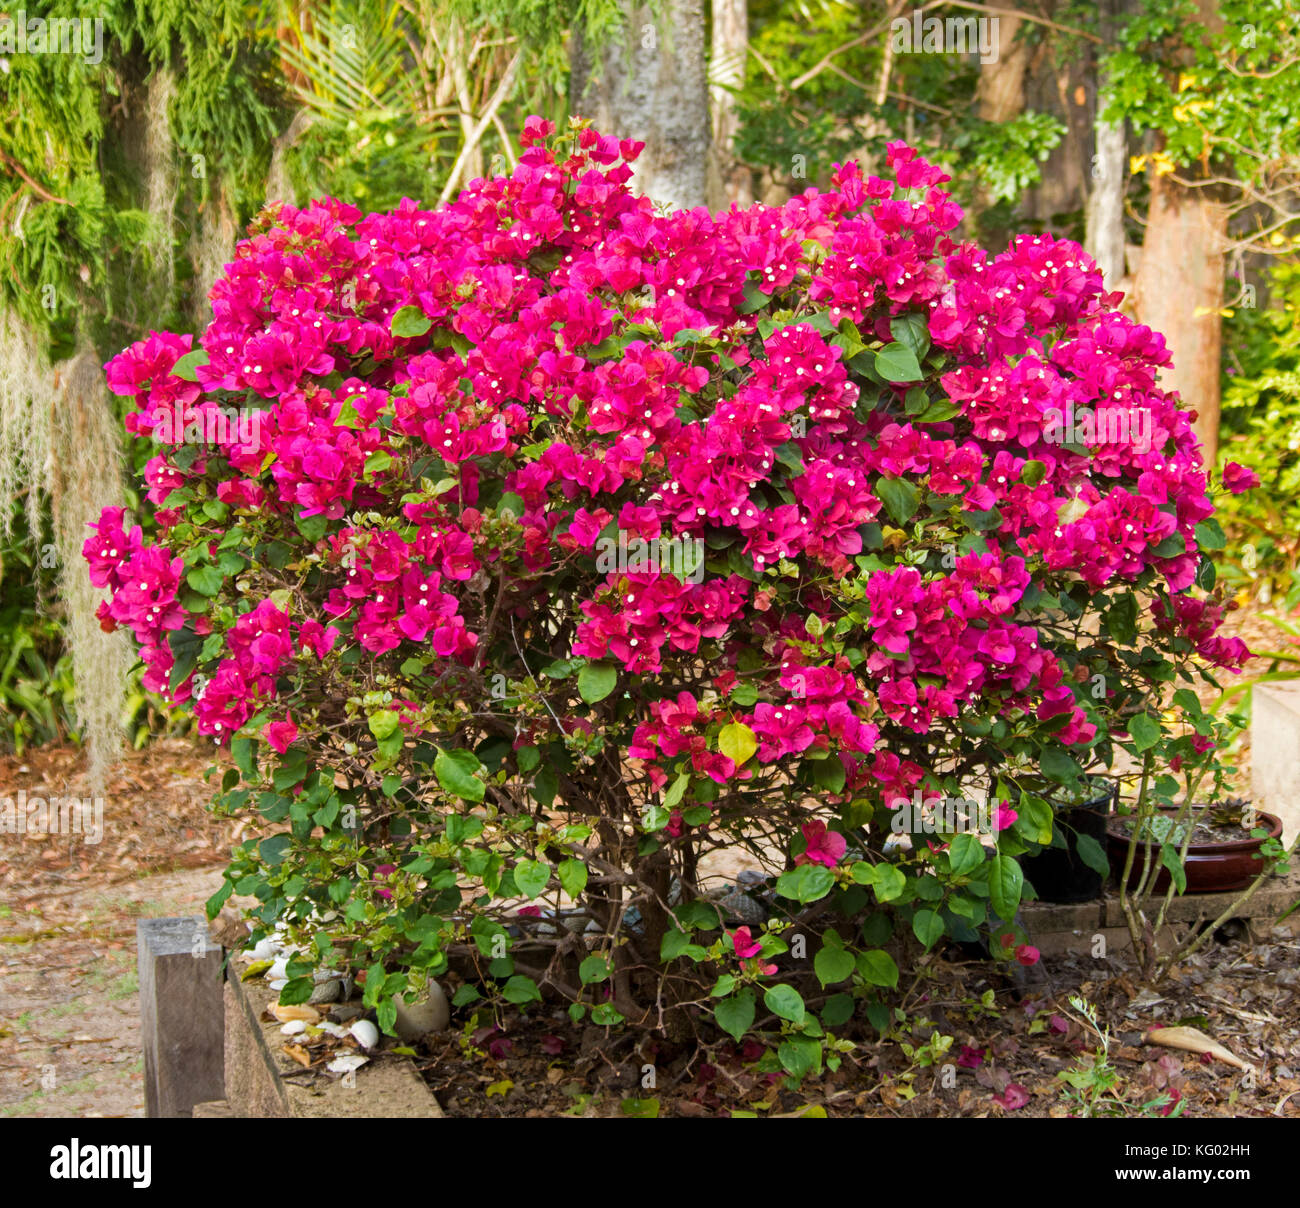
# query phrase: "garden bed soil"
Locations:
[[1009, 1046], [1203, 834]]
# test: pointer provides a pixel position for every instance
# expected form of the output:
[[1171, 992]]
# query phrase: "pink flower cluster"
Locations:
[[477, 393]]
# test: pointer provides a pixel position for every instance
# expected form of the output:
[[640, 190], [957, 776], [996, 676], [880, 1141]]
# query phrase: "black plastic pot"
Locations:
[[1058, 874]]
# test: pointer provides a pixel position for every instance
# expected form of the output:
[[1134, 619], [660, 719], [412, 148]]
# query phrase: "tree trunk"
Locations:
[[1179, 292], [653, 88], [730, 181], [999, 97], [1105, 217], [1000, 92], [1179, 285]]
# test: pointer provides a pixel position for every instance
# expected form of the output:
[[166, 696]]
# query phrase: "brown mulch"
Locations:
[[155, 819], [972, 1055]]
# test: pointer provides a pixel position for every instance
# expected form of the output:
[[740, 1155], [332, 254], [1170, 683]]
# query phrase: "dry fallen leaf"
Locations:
[[1193, 1040], [299, 1054]]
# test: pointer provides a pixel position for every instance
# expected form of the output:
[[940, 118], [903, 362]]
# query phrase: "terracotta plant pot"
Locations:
[[1210, 867]]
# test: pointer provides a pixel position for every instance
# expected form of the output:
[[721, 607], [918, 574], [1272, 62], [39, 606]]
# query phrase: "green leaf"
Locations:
[[755, 299], [676, 791], [888, 882], [1036, 818], [377, 462], [790, 456], [1031, 473], [593, 969], [455, 772], [596, 681], [838, 1010], [735, 1015], [898, 363], [274, 849], [807, 883], [465, 995], [206, 580], [900, 498], [532, 877], [785, 1002], [520, 989], [347, 416], [185, 367], [1169, 858], [214, 904], [1057, 765], [640, 1109], [800, 1055], [737, 742], [573, 877], [528, 758], [878, 968], [1005, 884], [927, 927], [913, 332], [410, 322], [677, 943], [829, 774], [832, 965], [937, 412], [1092, 854], [1209, 534], [965, 853], [297, 990], [185, 647], [1144, 731]]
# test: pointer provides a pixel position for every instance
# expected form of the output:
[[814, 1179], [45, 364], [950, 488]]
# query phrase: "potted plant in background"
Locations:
[[1225, 845], [1074, 868], [1186, 833]]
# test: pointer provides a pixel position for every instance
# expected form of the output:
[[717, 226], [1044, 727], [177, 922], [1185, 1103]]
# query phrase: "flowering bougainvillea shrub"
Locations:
[[577, 541]]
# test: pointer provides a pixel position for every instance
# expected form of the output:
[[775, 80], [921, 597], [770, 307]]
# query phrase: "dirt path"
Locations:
[[69, 1010]]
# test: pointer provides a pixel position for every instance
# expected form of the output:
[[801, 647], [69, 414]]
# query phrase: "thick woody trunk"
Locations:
[[1000, 92], [653, 88], [1179, 285], [730, 181], [1104, 221], [1105, 218], [1179, 292]]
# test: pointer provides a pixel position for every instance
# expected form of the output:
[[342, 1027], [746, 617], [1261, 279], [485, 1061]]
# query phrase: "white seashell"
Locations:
[[365, 1033], [334, 1029], [293, 1027], [288, 1013], [279, 984], [264, 950], [428, 1014], [279, 969], [347, 1063]]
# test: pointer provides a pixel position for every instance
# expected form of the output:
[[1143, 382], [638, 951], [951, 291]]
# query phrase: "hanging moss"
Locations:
[[110, 172], [59, 444]]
